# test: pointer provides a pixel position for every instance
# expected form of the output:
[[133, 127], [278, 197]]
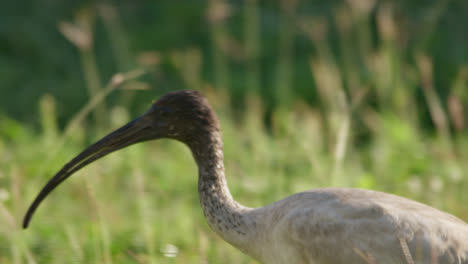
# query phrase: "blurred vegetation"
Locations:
[[357, 93], [233, 41]]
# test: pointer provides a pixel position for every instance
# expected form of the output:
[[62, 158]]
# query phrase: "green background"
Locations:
[[365, 94]]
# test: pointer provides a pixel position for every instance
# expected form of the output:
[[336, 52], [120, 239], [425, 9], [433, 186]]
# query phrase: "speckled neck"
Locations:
[[224, 215]]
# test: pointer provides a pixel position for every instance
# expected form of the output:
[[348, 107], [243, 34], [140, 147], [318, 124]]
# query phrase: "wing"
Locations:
[[360, 226]]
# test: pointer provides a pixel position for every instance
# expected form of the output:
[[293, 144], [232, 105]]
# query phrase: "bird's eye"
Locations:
[[165, 111]]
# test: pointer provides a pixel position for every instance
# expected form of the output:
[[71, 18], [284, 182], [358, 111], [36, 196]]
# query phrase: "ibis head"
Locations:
[[184, 116]]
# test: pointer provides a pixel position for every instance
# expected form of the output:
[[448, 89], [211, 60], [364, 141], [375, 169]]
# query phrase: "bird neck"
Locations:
[[224, 215]]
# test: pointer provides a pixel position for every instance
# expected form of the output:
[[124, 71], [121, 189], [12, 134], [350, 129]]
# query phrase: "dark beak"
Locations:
[[136, 131]]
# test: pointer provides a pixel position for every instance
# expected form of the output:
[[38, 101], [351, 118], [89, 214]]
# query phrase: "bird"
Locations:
[[323, 225]]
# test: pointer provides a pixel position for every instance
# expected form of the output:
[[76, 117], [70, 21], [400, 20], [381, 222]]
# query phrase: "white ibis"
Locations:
[[329, 225]]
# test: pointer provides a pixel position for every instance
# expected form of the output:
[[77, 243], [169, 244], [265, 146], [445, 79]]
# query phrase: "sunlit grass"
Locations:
[[135, 204]]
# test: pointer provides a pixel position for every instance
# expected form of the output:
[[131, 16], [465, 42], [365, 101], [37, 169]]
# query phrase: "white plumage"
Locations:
[[337, 225]]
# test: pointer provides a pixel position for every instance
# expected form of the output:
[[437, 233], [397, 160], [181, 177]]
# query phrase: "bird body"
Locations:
[[345, 225], [329, 225]]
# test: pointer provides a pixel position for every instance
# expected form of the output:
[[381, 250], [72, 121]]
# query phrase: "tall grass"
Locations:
[[140, 205]]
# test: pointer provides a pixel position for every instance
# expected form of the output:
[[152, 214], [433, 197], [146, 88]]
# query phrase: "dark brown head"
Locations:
[[183, 115]]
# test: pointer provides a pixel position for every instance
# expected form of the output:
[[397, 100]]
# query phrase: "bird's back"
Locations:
[[339, 225]]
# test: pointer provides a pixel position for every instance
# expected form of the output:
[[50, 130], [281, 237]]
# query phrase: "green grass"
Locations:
[[129, 206], [380, 125]]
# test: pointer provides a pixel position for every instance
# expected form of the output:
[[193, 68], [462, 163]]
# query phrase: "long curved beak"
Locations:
[[136, 131]]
